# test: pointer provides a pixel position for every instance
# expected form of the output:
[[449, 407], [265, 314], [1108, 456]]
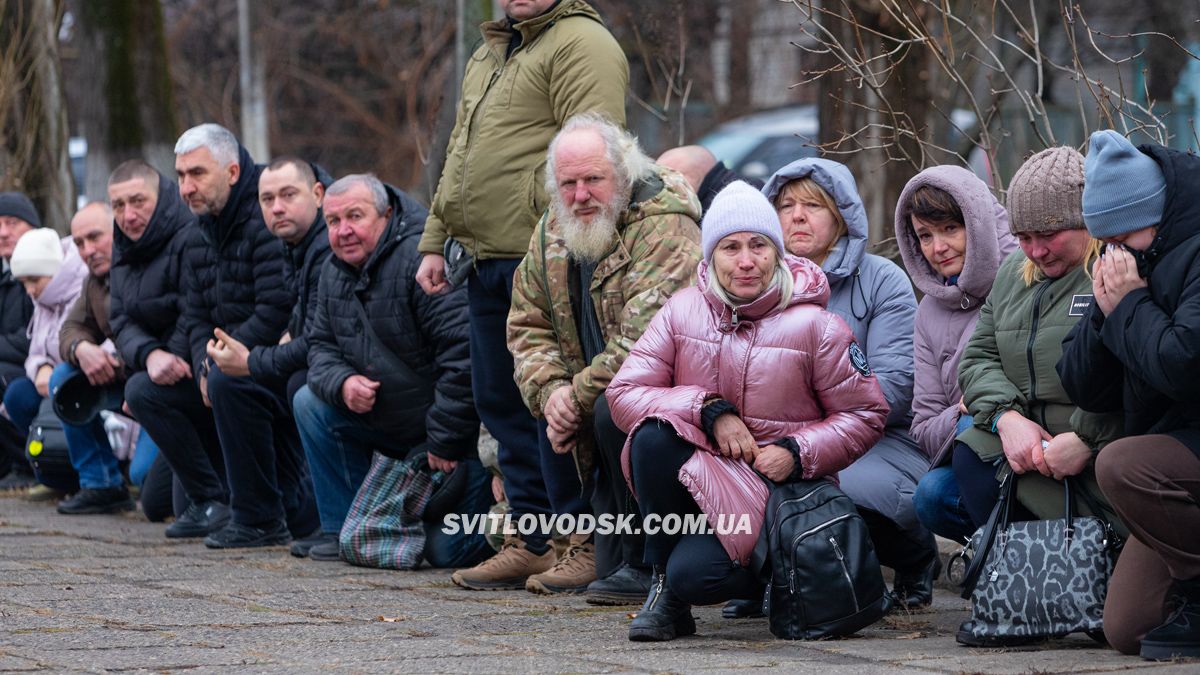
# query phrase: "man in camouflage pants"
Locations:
[[620, 237]]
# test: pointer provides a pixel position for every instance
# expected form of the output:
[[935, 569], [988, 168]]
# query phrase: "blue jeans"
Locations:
[[144, 454], [340, 448], [91, 454], [21, 400], [940, 506]]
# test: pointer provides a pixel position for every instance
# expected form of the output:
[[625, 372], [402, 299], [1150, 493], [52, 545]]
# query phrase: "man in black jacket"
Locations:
[[17, 216], [132, 298], [233, 279], [389, 366], [290, 191]]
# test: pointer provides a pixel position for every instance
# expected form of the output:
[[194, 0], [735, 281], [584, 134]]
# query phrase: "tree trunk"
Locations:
[[33, 113], [124, 103]]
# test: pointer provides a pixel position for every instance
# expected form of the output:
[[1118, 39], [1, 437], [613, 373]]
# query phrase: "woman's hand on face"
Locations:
[[1066, 455], [1018, 436], [733, 438], [775, 462]]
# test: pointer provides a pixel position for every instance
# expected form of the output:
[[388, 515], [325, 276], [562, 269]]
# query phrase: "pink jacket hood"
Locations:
[[792, 372], [51, 308]]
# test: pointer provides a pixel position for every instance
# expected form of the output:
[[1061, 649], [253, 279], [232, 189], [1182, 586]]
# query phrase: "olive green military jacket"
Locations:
[[491, 191]]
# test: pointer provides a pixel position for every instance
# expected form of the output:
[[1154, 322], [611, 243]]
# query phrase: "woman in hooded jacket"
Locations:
[[823, 220], [746, 372], [952, 235], [53, 273]]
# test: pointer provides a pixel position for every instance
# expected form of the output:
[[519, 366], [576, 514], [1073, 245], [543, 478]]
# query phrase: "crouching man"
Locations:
[[389, 366]]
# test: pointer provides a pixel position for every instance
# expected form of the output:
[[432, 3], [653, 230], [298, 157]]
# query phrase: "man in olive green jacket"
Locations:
[[620, 238], [545, 62]]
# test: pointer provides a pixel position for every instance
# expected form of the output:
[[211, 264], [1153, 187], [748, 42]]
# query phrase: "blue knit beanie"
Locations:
[[739, 208], [1123, 189]]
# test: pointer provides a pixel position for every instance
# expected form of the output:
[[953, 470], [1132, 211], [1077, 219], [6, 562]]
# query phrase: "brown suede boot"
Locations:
[[575, 569], [505, 571]]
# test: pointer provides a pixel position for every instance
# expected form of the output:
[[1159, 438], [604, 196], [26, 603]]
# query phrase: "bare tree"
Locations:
[[33, 114], [911, 83]]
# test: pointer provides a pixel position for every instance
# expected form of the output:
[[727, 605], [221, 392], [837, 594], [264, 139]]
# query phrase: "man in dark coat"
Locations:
[[233, 280], [389, 366], [17, 216], [290, 191], [130, 297], [1137, 350]]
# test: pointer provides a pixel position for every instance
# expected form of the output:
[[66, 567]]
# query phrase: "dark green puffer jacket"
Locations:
[[1009, 364]]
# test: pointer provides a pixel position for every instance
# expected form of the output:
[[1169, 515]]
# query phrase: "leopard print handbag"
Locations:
[[1039, 578]]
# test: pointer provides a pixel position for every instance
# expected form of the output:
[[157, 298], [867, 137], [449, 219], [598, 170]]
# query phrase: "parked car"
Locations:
[[757, 145]]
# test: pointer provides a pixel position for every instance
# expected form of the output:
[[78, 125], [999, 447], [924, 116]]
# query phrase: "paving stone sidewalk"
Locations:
[[111, 593]]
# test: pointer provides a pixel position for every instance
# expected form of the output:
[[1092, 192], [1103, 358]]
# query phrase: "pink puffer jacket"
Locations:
[[794, 372]]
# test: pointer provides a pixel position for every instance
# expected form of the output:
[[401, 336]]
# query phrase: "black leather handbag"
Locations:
[[1039, 578], [46, 444]]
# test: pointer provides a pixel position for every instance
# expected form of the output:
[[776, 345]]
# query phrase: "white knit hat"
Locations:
[[740, 208], [38, 253]]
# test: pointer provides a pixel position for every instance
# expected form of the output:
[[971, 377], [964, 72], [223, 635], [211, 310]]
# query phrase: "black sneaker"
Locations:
[[236, 535], [18, 479], [97, 500], [199, 520], [627, 585], [328, 551], [1179, 635], [966, 636], [301, 547]]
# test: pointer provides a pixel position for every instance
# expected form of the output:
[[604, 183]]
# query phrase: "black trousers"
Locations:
[[611, 495], [264, 461], [184, 430], [12, 439], [698, 569]]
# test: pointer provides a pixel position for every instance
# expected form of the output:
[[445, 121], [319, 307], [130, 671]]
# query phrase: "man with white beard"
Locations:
[[620, 236]]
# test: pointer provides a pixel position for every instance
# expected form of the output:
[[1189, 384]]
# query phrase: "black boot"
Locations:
[[915, 589], [742, 609], [1179, 635], [664, 617]]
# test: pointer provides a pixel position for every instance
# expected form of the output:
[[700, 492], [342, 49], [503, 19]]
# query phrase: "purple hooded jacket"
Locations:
[[946, 315], [50, 310]]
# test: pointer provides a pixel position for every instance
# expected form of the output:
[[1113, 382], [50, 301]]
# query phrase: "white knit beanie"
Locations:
[[38, 253], [740, 208]]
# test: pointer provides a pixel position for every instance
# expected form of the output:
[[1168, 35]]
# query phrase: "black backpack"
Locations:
[[825, 578]]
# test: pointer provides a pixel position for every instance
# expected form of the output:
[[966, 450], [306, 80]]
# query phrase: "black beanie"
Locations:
[[18, 205]]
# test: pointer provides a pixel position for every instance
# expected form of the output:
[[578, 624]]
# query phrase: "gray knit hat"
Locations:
[[1126, 188], [18, 205], [1046, 193], [739, 208]]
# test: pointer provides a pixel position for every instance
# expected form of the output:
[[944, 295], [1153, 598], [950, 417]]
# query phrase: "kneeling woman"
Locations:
[[745, 373]]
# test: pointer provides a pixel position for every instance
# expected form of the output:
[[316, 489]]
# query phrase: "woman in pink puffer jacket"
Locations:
[[745, 372]]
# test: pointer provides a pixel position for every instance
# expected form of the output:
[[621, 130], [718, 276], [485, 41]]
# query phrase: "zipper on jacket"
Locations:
[[837, 551], [1037, 308], [462, 185]]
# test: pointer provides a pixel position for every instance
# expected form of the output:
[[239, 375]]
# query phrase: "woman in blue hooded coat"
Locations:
[[824, 220]]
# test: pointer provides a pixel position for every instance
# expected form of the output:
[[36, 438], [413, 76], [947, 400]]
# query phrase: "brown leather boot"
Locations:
[[505, 571], [574, 570]]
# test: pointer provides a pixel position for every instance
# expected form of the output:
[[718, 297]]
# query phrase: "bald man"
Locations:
[[703, 172]]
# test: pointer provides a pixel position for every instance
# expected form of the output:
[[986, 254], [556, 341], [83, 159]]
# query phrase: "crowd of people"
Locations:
[[630, 331]]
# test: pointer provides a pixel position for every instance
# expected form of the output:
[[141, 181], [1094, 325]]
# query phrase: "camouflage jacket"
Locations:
[[657, 254]]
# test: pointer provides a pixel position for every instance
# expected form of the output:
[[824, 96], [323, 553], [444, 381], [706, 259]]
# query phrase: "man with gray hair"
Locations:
[[389, 367], [233, 279], [620, 237]]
